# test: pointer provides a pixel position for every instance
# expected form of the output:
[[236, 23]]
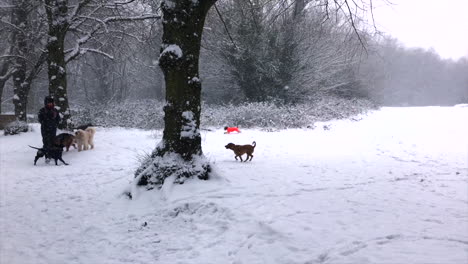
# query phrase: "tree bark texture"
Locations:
[[183, 22], [4, 76], [19, 18], [57, 16]]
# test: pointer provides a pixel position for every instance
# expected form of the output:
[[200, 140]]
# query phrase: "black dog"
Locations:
[[51, 153]]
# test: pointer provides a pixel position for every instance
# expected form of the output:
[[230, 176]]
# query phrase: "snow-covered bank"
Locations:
[[390, 188]]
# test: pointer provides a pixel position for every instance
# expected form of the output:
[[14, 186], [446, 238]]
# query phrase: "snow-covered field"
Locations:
[[389, 188]]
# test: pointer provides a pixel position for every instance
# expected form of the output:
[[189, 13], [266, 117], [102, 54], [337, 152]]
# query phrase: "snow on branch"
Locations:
[[4, 57], [103, 23], [8, 74], [111, 4], [135, 18], [78, 8], [76, 17], [13, 26], [174, 49], [83, 51], [124, 33], [124, 3]]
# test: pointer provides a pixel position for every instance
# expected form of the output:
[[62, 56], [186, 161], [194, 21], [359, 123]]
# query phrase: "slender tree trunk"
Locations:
[[4, 76], [19, 18], [57, 11], [21, 47], [20, 91], [179, 154], [5, 73]]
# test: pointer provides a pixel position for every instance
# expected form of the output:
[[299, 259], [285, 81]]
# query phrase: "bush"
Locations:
[[148, 114], [16, 127], [144, 114]]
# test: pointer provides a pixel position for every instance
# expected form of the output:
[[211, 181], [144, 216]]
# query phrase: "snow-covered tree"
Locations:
[[130, 70], [85, 19], [179, 155], [282, 51], [5, 73], [25, 57]]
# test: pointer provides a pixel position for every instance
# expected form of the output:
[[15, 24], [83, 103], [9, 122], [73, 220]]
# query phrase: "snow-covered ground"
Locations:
[[389, 188]]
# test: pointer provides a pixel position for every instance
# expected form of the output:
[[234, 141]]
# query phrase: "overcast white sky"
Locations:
[[440, 24]]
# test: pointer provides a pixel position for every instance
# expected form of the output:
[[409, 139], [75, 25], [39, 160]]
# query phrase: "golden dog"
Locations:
[[85, 138]]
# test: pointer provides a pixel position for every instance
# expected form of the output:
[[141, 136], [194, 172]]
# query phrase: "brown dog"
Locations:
[[240, 150], [65, 140]]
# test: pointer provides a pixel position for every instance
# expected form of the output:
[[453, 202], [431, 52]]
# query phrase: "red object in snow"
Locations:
[[231, 129]]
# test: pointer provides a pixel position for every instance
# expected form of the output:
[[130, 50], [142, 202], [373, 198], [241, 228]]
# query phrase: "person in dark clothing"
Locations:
[[49, 118]]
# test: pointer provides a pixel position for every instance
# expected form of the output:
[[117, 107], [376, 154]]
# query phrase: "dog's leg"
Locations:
[[56, 162], [79, 146], [251, 157], [61, 161], [35, 160], [240, 157]]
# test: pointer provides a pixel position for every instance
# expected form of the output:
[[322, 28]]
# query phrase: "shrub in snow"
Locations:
[[144, 114], [16, 127], [263, 115], [148, 114], [269, 115]]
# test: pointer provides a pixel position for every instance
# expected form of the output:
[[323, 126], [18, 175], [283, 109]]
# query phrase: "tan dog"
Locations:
[[240, 150], [85, 138]]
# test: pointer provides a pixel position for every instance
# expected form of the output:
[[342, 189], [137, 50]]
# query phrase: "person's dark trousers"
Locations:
[[48, 137]]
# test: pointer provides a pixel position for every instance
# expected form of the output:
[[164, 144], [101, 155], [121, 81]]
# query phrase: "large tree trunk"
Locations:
[[57, 11], [179, 154]]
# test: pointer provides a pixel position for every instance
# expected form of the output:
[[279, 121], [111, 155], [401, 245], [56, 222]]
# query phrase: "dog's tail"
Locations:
[[254, 144], [35, 147]]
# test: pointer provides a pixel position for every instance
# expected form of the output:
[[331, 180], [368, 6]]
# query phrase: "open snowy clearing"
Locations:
[[389, 188]]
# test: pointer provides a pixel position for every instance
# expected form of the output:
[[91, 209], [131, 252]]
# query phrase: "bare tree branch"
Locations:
[[225, 26], [8, 74], [142, 17], [78, 50]]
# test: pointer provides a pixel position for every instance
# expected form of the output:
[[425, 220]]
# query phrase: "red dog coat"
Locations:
[[231, 129]]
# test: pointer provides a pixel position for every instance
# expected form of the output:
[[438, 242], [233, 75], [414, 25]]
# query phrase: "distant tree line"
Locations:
[[397, 76]]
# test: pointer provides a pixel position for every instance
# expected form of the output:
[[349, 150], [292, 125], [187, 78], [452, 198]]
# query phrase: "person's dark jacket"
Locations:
[[49, 119]]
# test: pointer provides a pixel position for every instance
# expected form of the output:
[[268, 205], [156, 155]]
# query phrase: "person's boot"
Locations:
[[47, 160]]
